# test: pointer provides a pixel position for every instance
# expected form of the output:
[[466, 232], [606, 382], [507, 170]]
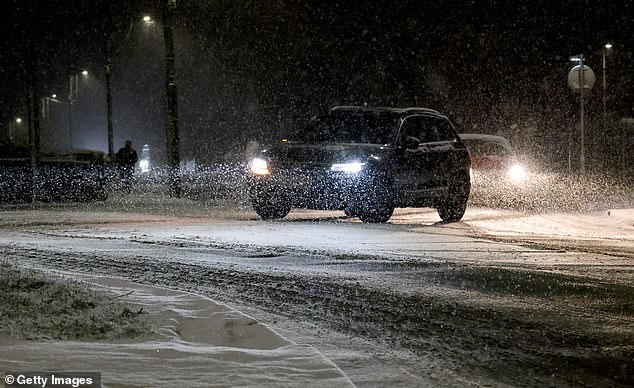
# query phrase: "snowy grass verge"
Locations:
[[37, 306]]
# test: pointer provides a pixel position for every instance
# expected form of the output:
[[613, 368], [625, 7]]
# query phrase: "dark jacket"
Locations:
[[127, 156]]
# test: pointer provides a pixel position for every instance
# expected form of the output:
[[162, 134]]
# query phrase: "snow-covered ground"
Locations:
[[203, 343], [605, 231], [199, 343]]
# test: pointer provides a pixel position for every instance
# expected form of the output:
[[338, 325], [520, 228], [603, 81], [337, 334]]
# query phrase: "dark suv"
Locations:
[[366, 162]]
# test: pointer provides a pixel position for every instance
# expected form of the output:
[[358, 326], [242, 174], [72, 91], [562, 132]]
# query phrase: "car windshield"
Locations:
[[349, 127], [480, 147]]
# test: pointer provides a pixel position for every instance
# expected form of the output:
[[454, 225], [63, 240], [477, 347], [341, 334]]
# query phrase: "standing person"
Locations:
[[126, 159]]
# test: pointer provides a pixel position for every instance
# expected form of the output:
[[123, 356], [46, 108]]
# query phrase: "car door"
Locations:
[[425, 144], [444, 155]]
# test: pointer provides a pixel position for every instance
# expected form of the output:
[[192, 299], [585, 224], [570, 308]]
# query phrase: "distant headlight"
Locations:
[[259, 166], [352, 167], [517, 173], [144, 165]]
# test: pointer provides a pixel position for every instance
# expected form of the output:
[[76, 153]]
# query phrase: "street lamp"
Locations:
[[171, 101], [108, 72], [605, 95], [73, 96], [13, 129]]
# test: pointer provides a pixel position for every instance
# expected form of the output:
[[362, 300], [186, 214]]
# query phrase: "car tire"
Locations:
[[351, 211], [269, 204], [376, 213], [377, 205], [452, 209], [270, 211]]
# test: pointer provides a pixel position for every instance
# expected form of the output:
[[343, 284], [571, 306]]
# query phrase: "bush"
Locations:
[[37, 306]]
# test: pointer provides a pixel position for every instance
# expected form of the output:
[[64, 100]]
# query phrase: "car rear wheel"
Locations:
[[351, 210], [454, 206]]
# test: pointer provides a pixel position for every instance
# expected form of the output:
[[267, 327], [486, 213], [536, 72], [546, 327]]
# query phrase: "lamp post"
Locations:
[[47, 116], [73, 96], [13, 128], [581, 77], [605, 95], [171, 102], [582, 156], [108, 72]]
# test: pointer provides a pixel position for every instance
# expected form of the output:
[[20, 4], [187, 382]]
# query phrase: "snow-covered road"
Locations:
[[502, 298]]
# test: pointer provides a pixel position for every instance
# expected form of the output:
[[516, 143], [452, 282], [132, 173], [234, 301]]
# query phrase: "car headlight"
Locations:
[[517, 173], [144, 165], [352, 167], [259, 166]]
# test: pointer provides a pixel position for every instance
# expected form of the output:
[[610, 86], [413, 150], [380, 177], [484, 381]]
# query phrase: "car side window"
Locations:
[[410, 127], [441, 128], [427, 129]]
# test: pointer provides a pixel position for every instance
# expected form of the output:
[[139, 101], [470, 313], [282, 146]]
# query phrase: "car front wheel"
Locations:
[[271, 210], [376, 213], [376, 206], [269, 204]]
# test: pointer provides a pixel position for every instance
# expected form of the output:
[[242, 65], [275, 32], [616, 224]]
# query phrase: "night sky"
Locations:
[[259, 69]]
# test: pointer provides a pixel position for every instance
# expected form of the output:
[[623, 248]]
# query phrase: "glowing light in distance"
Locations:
[[517, 173], [144, 165], [259, 166], [352, 167]]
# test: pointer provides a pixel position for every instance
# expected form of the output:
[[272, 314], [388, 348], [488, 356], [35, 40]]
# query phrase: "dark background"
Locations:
[[255, 70]]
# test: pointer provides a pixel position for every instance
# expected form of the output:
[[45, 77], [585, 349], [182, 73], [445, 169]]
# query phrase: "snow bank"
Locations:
[[198, 343], [610, 231], [622, 215]]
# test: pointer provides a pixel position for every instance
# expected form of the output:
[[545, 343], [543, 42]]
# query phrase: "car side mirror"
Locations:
[[412, 143]]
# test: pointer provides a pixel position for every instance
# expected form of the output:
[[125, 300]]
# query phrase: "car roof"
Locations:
[[385, 109], [482, 136]]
